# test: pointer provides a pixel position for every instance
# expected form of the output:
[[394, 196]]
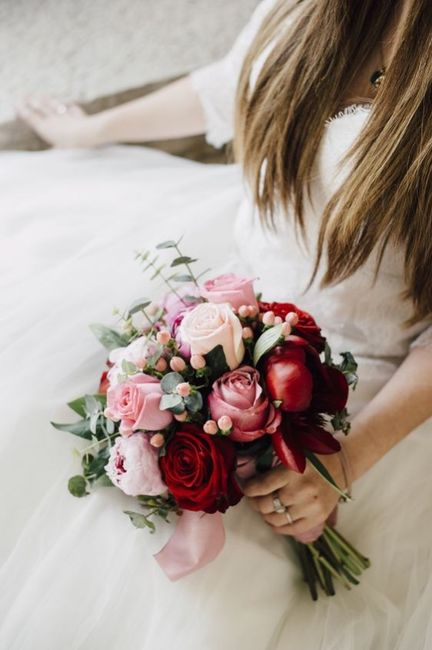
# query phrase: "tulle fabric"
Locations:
[[75, 574]]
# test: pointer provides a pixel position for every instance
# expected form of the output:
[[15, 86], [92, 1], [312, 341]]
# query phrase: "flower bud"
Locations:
[[183, 389], [210, 427], [177, 364]]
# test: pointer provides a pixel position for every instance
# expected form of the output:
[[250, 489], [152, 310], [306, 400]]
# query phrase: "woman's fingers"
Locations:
[[266, 483]]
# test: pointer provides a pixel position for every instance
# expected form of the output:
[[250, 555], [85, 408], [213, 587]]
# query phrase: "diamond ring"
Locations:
[[278, 506]]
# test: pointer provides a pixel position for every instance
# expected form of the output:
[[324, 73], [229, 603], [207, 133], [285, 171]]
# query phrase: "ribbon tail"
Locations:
[[197, 540]]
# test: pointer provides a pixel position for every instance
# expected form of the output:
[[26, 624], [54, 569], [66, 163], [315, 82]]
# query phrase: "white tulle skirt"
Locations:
[[74, 573]]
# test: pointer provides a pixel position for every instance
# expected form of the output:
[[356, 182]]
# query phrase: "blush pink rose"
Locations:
[[231, 288], [239, 395], [208, 325], [135, 403], [134, 468]]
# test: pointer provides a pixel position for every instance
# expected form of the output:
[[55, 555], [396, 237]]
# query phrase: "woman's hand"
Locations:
[[309, 498], [60, 125]]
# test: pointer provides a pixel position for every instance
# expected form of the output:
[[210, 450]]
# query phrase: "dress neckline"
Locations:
[[351, 109]]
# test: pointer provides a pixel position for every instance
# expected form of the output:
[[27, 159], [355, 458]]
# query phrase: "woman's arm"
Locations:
[[402, 405], [174, 111]]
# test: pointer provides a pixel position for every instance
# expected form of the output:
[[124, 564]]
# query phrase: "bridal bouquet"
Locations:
[[202, 389]]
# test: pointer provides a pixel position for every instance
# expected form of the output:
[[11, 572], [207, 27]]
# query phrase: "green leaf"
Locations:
[[277, 402], [171, 402], [194, 402], [170, 382], [80, 428], [167, 244], [216, 361], [77, 486], [109, 338], [78, 406], [325, 474], [96, 467], [328, 355], [138, 305], [103, 481], [268, 340], [182, 278], [193, 299], [349, 368], [139, 520], [183, 259], [129, 368]]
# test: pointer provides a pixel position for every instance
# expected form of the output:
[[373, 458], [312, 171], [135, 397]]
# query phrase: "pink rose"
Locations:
[[207, 326], [136, 403], [176, 303], [239, 395], [230, 288], [134, 468]]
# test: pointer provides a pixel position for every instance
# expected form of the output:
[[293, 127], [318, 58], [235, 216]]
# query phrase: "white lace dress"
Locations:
[[74, 574]]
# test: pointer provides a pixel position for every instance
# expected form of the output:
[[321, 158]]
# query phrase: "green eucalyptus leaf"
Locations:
[[167, 244], [171, 402], [139, 520], [170, 381], [80, 428], [194, 402], [182, 278], [193, 299], [268, 340], [109, 338], [77, 486], [138, 305], [183, 259]]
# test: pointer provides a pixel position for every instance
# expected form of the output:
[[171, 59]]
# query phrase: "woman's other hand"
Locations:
[[60, 125]]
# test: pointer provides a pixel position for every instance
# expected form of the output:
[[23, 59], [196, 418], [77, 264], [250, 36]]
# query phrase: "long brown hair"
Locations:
[[387, 196]]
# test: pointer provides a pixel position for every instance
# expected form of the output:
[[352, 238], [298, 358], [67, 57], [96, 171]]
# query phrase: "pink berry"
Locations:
[[177, 364], [163, 337], [243, 311], [210, 427], [197, 362], [292, 318], [181, 417], [253, 311], [183, 389], [157, 440], [286, 329], [277, 320], [247, 333], [225, 423], [161, 365], [268, 318]]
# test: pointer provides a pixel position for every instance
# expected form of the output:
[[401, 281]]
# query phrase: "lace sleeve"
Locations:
[[216, 83], [423, 340]]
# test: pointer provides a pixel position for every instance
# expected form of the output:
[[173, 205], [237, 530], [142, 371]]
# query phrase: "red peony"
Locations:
[[287, 377], [199, 470], [331, 391], [306, 327]]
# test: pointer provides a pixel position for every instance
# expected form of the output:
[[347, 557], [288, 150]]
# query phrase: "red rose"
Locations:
[[306, 326], [199, 470]]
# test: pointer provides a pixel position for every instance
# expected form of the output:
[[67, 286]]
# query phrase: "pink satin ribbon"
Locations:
[[197, 540]]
